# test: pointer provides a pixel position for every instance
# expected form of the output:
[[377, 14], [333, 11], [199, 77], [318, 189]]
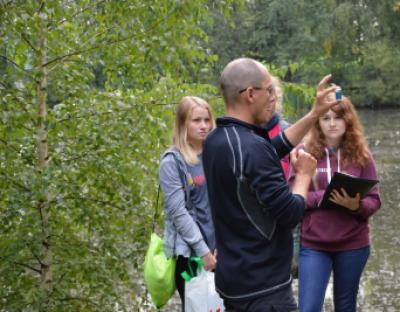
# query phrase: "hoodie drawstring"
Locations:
[[328, 164]]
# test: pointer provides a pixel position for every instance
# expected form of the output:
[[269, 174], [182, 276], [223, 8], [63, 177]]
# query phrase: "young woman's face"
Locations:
[[333, 128], [199, 125]]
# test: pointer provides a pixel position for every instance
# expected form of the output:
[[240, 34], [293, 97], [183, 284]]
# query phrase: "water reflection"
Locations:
[[380, 287]]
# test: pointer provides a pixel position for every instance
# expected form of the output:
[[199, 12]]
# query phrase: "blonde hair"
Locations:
[[276, 82], [183, 113]]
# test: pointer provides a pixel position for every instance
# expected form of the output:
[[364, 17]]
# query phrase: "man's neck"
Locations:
[[242, 115]]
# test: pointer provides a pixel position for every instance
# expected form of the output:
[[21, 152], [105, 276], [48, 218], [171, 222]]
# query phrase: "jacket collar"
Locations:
[[273, 121], [232, 122]]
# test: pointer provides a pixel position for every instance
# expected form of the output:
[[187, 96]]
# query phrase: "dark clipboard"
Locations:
[[352, 185]]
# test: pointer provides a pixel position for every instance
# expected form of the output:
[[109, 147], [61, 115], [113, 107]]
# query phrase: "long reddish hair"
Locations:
[[353, 146]]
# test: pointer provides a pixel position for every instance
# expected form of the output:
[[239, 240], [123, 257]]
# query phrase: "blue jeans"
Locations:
[[314, 271]]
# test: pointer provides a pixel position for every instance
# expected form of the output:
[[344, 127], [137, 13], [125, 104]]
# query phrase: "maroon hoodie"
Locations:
[[337, 229]]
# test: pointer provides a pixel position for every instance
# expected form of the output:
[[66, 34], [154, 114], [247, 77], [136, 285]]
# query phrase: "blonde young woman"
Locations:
[[189, 230], [336, 240]]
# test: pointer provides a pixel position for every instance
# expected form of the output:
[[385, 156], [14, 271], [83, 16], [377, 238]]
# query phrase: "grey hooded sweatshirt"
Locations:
[[189, 230]]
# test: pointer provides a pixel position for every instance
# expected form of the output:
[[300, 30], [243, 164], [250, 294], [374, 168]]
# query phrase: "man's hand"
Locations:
[[303, 162], [345, 200], [209, 261], [323, 102], [304, 165]]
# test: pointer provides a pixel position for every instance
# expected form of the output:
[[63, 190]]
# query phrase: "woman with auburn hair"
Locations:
[[336, 240], [189, 230]]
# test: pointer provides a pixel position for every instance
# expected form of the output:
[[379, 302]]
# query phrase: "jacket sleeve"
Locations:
[[269, 183], [175, 206], [281, 144], [372, 201]]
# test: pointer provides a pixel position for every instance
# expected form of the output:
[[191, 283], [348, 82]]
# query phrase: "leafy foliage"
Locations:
[[104, 76]]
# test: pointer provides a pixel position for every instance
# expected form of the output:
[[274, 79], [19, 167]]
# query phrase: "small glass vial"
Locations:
[[338, 93]]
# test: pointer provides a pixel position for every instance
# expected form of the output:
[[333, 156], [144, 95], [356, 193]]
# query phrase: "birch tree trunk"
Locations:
[[46, 283]]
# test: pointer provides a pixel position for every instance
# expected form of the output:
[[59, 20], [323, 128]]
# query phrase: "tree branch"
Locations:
[[95, 200], [87, 300], [35, 255], [28, 267], [16, 65], [56, 284], [79, 12], [21, 186], [69, 118], [23, 35], [15, 150], [11, 62], [5, 4], [20, 102], [81, 155], [98, 34], [31, 130], [8, 145], [88, 115], [62, 57], [41, 6]]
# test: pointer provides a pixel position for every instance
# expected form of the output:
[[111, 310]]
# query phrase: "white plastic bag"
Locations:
[[200, 294]]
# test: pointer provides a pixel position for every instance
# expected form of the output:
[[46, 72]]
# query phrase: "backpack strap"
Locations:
[[183, 174]]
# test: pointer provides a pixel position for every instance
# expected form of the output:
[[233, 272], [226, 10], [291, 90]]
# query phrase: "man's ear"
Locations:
[[249, 93]]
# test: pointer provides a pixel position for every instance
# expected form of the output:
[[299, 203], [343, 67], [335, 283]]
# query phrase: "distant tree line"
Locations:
[[357, 41]]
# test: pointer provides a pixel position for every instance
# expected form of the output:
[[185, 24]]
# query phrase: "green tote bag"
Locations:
[[159, 272]]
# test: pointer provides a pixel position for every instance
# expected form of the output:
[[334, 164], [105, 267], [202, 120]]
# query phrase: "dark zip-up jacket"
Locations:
[[253, 209]]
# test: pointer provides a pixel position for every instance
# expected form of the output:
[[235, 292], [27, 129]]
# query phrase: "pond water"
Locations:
[[380, 284], [380, 287]]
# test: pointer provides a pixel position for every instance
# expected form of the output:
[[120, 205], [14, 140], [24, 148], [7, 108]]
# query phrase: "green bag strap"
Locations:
[[182, 175], [156, 212], [187, 276]]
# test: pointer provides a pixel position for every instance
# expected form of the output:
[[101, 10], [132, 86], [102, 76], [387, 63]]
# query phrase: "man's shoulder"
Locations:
[[214, 138], [233, 134]]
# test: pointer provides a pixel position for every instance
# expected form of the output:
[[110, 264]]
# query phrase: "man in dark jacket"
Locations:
[[253, 208]]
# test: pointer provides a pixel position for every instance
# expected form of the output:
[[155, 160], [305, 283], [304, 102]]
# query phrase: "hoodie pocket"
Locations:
[[333, 225]]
